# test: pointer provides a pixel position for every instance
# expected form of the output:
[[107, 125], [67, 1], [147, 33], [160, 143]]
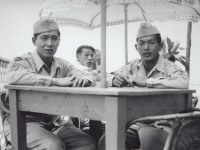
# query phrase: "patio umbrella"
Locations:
[[87, 13]]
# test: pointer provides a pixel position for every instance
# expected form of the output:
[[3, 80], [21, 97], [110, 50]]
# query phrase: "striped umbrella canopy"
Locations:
[[87, 13]]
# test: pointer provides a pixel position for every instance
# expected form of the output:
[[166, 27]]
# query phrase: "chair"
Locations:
[[185, 129], [3, 110]]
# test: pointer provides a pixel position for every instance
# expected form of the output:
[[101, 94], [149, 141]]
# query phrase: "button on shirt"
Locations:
[[30, 69], [165, 74]]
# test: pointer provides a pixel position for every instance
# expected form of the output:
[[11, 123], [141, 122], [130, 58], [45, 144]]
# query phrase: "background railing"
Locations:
[[3, 64]]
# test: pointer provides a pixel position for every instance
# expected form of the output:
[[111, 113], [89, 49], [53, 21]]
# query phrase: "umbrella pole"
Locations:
[[126, 29], [188, 46], [103, 43]]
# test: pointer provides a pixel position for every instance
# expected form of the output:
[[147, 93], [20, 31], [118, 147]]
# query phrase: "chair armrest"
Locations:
[[189, 113], [4, 102]]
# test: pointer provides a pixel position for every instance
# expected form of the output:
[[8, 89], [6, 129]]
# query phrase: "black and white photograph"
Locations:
[[99, 75]]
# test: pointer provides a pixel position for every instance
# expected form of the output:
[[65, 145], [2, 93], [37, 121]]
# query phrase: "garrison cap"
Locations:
[[44, 25], [147, 29]]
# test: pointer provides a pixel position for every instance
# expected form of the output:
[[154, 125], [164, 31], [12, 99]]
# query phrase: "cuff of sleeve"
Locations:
[[110, 80], [150, 85], [151, 82], [44, 80]]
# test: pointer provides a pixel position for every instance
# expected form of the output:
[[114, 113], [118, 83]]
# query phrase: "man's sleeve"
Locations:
[[176, 78], [125, 70], [17, 73], [72, 71]]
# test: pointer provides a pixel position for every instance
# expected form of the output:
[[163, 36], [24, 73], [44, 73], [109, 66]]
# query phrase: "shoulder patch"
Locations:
[[18, 59], [27, 55], [177, 68], [173, 78]]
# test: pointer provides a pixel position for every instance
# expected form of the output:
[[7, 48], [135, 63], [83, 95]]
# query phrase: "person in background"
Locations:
[[85, 60], [41, 68], [151, 71], [88, 59]]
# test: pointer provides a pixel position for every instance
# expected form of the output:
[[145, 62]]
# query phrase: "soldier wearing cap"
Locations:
[[41, 68], [151, 71]]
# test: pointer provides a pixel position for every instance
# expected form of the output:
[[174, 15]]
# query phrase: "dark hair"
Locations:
[[36, 35], [79, 50], [157, 37]]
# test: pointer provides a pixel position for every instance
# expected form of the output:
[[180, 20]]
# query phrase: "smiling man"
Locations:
[[41, 68], [152, 71]]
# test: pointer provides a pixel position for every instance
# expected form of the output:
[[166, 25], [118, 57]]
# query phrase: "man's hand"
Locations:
[[63, 82], [79, 82], [138, 81], [70, 81], [120, 80]]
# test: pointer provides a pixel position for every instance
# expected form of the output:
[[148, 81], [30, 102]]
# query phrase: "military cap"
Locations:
[[147, 29], [44, 25]]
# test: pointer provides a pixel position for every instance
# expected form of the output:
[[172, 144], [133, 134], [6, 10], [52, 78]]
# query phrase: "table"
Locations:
[[114, 105]]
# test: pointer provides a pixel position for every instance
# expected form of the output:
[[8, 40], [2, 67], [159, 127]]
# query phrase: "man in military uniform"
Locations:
[[41, 68], [151, 71]]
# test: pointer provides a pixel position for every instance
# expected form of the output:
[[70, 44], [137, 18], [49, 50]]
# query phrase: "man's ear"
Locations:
[[77, 56], [34, 41], [161, 46], [59, 41], [136, 47]]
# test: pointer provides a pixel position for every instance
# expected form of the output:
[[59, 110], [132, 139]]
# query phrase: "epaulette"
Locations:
[[27, 55], [135, 61], [128, 63]]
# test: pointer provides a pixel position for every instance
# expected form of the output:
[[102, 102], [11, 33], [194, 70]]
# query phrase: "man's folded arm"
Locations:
[[18, 74], [72, 71], [177, 78]]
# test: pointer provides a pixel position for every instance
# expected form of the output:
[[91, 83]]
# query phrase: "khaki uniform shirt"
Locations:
[[30, 69], [165, 74]]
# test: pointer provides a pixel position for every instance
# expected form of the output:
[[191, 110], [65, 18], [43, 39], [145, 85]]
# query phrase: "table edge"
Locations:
[[101, 91]]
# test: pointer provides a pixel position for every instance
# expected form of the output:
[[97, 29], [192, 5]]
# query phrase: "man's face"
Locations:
[[47, 44], [148, 48], [85, 57]]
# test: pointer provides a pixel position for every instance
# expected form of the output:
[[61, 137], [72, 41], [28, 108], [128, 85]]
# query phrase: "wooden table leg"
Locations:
[[115, 123], [17, 122]]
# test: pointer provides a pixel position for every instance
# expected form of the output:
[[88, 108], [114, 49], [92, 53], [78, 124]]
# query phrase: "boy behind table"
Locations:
[[41, 68], [152, 71]]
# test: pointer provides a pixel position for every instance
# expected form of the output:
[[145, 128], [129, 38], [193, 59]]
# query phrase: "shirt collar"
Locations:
[[159, 65], [140, 63], [39, 62]]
